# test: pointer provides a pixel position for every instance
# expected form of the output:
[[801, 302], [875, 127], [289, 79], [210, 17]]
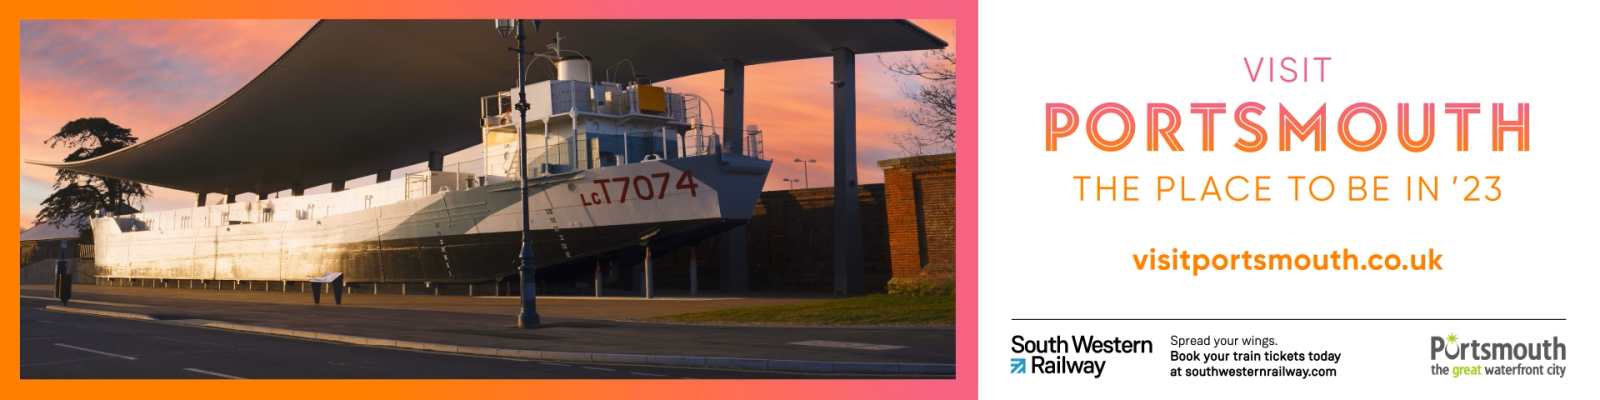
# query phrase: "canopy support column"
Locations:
[[338, 186], [383, 175], [201, 201], [735, 267], [296, 191], [849, 269]]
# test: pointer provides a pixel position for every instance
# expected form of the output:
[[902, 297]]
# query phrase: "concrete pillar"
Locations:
[[338, 186], [383, 175], [849, 268], [733, 106], [735, 276], [435, 161], [597, 278], [297, 190], [201, 201], [232, 197]]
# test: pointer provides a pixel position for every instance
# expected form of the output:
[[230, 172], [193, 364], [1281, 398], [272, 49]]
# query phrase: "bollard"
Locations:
[[316, 292], [63, 282]]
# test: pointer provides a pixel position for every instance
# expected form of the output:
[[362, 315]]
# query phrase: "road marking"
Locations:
[[211, 373], [97, 352], [558, 365], [103, 303], [600, 369], [641, 373], [847, 345]]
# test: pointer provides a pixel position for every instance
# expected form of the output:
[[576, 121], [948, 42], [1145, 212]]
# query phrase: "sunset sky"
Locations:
[[150, 76]]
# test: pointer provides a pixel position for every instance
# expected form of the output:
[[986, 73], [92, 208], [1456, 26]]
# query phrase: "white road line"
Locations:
[[211, 373], [97, 352], [847, 345], [641, 373], [103, 303], [558, 365], [600, 369]]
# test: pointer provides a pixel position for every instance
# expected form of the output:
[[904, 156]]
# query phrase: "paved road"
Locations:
[[62, 345], [926, 345]]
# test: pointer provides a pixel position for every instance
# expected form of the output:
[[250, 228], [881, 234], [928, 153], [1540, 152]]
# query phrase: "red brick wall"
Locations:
[[791, 244], [921, 194], [908, 224]]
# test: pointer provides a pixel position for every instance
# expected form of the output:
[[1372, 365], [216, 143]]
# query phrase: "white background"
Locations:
[[1044, 254]]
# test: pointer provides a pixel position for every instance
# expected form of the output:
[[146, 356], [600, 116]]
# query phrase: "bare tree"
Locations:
[[934, 92]]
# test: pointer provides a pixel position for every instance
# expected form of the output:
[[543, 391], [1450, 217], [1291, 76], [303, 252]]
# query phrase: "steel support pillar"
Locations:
[[735, 276], [649, 277], [733, 106], [201, 201], [296, 191], [694, 274], [338, 186], [383, 175], [849, 269], [232, 198]]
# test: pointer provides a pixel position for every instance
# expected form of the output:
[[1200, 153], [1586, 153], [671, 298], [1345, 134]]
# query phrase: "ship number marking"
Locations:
[[642, 187]]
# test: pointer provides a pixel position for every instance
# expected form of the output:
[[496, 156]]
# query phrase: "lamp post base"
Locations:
[[527, 321]]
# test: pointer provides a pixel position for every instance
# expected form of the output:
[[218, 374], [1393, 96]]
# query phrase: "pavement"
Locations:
[[571, 325], [58, 345]]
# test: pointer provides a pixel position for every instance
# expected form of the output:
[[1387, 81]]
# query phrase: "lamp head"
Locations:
[[505, 26]]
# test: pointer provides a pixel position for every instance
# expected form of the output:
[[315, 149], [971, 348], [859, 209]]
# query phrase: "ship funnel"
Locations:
[[573, 68]]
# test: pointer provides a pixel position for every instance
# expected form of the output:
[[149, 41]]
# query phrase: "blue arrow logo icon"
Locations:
[[1017, 367]]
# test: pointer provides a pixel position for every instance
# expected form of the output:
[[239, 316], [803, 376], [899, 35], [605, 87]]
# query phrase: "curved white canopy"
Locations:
[[356, 96]]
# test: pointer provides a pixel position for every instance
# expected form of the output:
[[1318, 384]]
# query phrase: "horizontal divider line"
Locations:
[[1288, 319]]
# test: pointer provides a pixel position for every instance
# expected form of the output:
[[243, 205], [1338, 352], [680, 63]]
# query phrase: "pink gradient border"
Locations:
[[964, 12]]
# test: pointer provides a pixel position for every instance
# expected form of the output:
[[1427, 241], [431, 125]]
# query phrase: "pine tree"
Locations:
[[78, 195]]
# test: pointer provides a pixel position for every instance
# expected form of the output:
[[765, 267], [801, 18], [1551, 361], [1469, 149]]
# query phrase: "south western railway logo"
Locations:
[[1049, 356]]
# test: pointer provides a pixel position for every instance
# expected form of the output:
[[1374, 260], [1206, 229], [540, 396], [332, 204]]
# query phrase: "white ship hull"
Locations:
[[462, 236]]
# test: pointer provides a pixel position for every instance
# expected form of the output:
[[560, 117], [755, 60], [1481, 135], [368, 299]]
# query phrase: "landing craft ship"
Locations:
[[615, 164]]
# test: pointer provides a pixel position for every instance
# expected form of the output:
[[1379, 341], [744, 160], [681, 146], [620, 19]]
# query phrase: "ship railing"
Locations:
[[600, 98], [496, 110], [702, 140], [455, 176]]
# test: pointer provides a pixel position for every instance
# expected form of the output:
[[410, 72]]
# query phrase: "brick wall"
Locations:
[[908, 224], [791, 244], [921, 194]]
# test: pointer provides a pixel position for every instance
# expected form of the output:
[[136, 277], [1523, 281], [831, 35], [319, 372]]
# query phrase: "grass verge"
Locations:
[[876, 309]]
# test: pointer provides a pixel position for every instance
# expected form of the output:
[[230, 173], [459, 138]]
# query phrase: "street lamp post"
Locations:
[[791, 183], [807, 169], [529, 317]]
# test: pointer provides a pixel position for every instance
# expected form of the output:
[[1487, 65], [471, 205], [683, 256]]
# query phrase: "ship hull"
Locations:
[[577, 220]]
